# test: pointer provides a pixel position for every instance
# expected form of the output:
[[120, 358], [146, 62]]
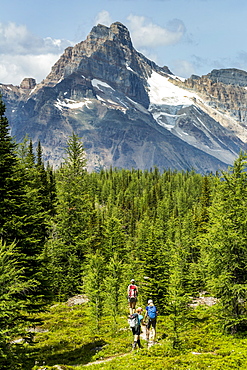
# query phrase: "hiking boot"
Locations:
[[134, 346]]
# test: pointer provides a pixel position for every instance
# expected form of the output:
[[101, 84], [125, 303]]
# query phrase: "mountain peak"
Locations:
[[116, 32], [119, 29]]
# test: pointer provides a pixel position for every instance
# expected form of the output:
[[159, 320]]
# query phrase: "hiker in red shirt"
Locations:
[[132, 293]]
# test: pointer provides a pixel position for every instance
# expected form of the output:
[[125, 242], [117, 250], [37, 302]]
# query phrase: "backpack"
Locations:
[[151, 310], [132, 291], [133, 320]]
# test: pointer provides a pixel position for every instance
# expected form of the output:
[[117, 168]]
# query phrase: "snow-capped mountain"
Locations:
[[129, 112]]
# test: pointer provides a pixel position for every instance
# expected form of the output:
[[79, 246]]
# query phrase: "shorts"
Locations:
[[132, 299], [151, 322], [136, 331]]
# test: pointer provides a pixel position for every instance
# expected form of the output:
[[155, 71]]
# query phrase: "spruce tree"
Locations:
[[14, 308], [69, 240], [153, 260], [21, 217], [93, 286], [177, 300], [225, 245], [11, 191], [113, 283]]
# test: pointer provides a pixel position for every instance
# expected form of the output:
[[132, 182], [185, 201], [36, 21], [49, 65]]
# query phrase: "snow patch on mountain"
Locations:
[[99, 84], [163, 118], [162, 91], [72, 104]]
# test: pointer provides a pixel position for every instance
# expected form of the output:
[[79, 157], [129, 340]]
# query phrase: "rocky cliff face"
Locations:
[[128, 111], [224, 90]]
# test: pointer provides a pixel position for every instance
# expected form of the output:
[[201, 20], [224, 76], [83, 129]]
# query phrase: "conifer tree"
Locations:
[[21, 218], [153, 261], [225, 245], [69, 241], [14, 310], [201, 216], [114, 236], [42, 180], [11, 191], [114, 288], [93, 286], [177, 300], [52, 190]]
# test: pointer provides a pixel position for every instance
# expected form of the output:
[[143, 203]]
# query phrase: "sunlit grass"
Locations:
[[71, 339]]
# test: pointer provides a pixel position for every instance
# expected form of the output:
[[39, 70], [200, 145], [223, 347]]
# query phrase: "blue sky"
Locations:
[[188, 36]]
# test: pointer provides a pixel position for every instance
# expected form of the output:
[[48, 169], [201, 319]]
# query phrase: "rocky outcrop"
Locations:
[[229, 76], [77, 299], [222, 92], [28, 84]]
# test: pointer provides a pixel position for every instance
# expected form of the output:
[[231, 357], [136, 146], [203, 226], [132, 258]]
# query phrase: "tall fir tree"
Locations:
[[225, 245], [11, 191], [14, 315], [20, 223], [94, 274], [153, 259], [70, 236], [115, 290]]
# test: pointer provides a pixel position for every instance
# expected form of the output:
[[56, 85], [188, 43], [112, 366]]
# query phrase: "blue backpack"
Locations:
[[152, 312]]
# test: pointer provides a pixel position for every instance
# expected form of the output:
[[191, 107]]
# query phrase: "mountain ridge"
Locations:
[[128, 111]]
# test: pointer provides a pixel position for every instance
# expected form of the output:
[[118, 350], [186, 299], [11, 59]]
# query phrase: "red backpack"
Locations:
[[132, 291]]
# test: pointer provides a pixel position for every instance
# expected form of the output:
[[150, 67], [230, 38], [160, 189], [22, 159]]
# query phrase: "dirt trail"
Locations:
[[106, 359], [143, 336]]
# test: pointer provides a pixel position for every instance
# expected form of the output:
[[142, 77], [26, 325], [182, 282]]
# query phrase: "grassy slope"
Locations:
[[72, 339]]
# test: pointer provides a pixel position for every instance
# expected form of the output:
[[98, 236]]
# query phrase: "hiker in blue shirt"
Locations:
[[151, 315], [136, 329]]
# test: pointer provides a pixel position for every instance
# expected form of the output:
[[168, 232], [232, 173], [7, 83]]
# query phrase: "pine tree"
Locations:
[[177, 299], [14, 308], [225, 245], [52, 190], [42, 180], [93, 286], [21, 218], [153, 260], [70, 235], [11, 192], [113, 283]]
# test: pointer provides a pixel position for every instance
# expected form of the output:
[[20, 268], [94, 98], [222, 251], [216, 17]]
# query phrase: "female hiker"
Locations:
[[135, 323]]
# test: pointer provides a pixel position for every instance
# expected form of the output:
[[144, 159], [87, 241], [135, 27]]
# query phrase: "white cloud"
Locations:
[[13, 68], [23, 54], [144, 33], [104, 18]]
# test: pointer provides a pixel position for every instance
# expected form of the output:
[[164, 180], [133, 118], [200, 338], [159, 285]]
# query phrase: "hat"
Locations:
[[132, 280], [139, 309], [150, 301]]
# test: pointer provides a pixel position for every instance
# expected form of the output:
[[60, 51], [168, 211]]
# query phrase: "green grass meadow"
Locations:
[[70, 340]]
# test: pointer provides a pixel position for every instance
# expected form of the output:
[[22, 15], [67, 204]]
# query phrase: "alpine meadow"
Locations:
[[73, 233]]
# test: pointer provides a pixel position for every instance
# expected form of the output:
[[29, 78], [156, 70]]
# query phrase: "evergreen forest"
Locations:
[[67, 232]]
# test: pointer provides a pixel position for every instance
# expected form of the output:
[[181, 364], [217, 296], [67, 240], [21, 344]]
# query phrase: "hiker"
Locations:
[[132, 293], [151, 315], [135, 321]]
